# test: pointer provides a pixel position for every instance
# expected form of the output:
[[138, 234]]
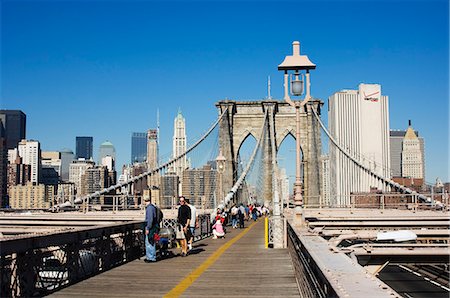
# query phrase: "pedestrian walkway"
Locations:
[[237, 266]]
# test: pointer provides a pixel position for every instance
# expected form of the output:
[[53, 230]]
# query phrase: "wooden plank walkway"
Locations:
[[244, 269]]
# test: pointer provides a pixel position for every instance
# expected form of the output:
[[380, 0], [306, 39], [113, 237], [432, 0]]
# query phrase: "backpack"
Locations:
[[159, 215]]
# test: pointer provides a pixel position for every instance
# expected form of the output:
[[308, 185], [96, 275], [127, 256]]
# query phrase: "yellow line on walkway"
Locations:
[[189, 280]]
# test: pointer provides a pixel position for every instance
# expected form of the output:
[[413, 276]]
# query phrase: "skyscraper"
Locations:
[[30, 152], [412, 162], [396, 146], [14, 122], [153, 182], [359, 122], [106, 149], [84, 147], [76, 170], [179, 144], [138, 147], [67, 157], [199, 186], [3, 166], [152, 148]]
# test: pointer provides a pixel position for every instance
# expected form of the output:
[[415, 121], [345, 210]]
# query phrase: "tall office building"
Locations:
[[199, 186], [67, 157], [138, 147], [51, 167], [84, 147], [153, 182], [14, 122], [396, 146], [179, 144], [106, 149], [152, 148], [359, 121], [412, 163], [30, 152], [169, 190], [76, 170], [93, 179], [3, 166]]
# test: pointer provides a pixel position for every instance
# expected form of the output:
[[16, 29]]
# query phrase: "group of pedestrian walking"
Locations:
[[187, 222]]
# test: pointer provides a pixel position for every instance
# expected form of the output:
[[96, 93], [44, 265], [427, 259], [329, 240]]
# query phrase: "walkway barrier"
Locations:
[[42, 264], [311, 281]]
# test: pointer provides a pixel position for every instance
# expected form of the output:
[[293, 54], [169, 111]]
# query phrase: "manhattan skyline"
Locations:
[[103, 68]]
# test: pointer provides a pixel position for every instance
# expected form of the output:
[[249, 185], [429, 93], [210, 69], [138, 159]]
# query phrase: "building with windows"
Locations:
[[84, 147], [138, 147], [67, 157], [199, 185], [92, 180], [14, 124], [32, 196], [169, 190], [396, 139], [106, 149], [30, 152], [179, 144], [152, 163], [76, 170], [3, 166], [412, 162], [359, 121]]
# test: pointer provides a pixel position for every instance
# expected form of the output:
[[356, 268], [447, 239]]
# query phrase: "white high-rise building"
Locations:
[[179, 144], [359, 122], [412, 163], [30, 152]]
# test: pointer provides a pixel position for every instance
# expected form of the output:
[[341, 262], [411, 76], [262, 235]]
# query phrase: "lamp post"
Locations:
[[220, 162], [298, 63]]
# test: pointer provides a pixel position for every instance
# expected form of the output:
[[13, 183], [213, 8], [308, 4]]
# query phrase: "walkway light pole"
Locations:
[[220, 163], [297, 63]]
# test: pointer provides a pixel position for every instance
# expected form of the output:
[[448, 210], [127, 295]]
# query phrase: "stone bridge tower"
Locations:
[[245, 118]]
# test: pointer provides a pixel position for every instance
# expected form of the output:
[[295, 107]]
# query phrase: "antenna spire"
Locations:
[[268, 89], [157, 125]]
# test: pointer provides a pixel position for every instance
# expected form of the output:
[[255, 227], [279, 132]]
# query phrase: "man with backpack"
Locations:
[[153, 217]]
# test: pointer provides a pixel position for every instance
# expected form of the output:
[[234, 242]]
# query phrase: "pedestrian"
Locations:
[[150, 231], [193, 223], [218, 230], [254, 214], [234, 215], [241, 215], [183, 231]]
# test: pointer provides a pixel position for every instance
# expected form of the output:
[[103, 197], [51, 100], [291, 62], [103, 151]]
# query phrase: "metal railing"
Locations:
[[42, 264], [311, 281], [375, 201]]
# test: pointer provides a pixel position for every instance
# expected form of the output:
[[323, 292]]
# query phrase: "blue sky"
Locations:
[[102, 68]]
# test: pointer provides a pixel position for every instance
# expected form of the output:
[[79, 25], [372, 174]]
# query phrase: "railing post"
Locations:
[[266, 232]]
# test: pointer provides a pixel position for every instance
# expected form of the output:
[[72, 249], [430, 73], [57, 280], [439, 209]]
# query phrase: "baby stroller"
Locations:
[[166, 236]]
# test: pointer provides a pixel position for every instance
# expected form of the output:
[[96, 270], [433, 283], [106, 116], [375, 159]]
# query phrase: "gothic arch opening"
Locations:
[[286, 159]]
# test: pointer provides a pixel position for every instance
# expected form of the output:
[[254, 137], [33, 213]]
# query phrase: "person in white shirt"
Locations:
[[193, 223], [234, 216]]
